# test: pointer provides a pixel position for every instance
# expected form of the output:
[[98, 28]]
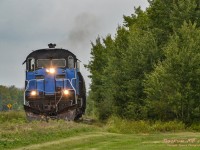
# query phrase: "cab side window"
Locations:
[[70, 62], [31, 64]]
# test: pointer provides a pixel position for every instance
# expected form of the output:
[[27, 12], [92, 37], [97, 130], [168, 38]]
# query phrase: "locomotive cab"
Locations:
[[54, 86]]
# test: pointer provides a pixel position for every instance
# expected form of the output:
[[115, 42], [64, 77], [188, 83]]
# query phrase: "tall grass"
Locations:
[[15, 131], [12, 116], [118, 125]]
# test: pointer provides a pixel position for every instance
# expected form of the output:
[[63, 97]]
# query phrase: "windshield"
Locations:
[[45, 63]]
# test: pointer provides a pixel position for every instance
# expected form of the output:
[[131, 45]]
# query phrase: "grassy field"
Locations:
[[104, 140], [17, 133]]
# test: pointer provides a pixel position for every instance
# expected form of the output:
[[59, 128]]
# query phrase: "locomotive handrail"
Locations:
[[50, 92], [27, 86], [28, 82]]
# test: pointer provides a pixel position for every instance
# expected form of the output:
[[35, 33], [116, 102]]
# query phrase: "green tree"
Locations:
[[97, 67], [139, 59], [173, 88], [11, 95], [168, 15], [119, 64]]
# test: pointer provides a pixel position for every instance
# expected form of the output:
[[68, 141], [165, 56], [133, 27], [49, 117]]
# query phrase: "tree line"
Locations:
[[150, 69], [11, 96]]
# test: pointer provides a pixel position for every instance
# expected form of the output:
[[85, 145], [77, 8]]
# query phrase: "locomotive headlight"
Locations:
[[66, 92], [33, 93], [51, 70]]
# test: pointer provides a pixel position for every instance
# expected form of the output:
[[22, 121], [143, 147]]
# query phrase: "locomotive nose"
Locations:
[[49, 84]]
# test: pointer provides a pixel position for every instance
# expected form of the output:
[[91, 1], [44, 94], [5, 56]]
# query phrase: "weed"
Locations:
[[118, 125]]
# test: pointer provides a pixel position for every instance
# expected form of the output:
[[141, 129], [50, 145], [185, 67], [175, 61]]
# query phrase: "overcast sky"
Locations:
[[27, 25]]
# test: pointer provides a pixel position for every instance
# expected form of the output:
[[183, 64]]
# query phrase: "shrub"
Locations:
[[174, 126], [195, 127], [12, 116], [118, 125]]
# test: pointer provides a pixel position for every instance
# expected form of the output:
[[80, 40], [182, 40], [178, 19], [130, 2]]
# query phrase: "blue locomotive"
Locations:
[[54, 85]]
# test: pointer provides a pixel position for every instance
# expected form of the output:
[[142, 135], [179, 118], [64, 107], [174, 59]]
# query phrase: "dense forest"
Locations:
[[11, 95], [150, 69]]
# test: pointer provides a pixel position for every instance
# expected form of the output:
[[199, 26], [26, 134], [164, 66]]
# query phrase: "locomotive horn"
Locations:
[[52, 45]]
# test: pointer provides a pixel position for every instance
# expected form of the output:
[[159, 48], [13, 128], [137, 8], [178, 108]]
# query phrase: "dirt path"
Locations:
[[80, 137]]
